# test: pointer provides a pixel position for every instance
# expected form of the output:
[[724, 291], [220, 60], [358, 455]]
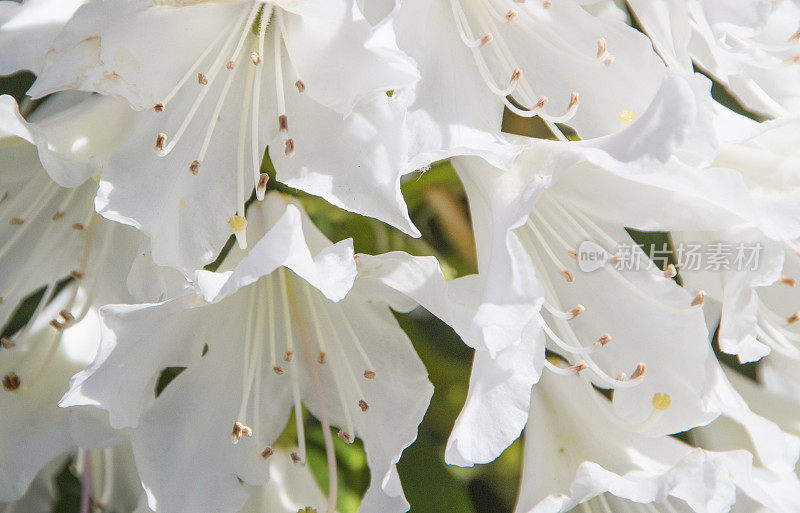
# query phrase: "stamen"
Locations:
[[322, 358], [159, 107], [255, 58], [261, 187], [58, 215], [510, 15], [283, 124], [295, 457], [639, 371], [603, 340], [670, 271], [194, 167], [77, 226], [546, 4], [699, 299], [793, 318], [277, 369], [661, 401], [202, 79], [369, 374], [238, 225], [300, 85], [57, 325], [78, 275], [574, 312], [344, 435], [298, 407], [363, 405], [288, 150], [788, 281], [239, 431], [287, 356], [578, 367], [161, 141], [266, 453]]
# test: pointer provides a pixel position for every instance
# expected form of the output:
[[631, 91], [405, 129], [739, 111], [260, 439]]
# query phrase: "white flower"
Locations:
[[218, 82], [290, 488], [554, 59], [575, 452], [753, 47], [27, 30], [41, 495], [258, 342]]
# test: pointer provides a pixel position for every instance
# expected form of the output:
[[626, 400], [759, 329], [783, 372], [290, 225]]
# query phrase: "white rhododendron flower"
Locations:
[[752, 47], [258, 342], [232, 78]]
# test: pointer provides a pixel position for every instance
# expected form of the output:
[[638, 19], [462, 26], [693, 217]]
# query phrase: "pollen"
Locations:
[[277, 370], [266, 453], [322, 358], [287, 356], [369, 374], [626, 117], [239, 431], [363, 405], [11, 381], [661, 401], [194, 167], [699, 299]]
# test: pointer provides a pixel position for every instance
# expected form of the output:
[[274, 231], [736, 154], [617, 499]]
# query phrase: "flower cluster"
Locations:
[[180, 331]]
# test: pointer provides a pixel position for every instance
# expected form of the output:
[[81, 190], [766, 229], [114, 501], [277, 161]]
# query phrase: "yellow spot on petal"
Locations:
[[180, 205], [661, 401], [626, 117]]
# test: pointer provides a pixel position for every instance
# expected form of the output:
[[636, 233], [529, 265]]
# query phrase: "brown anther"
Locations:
[[795, 58], [510, 15], [77, 226], [567, 275], [300, 85], [793, 318], [788, 281], [255, 58], [266, 453], [795, 36], [603, 340], [57, 325], [263, 178], [578, 367], [202, 79], [516, 75], [78, 275], [230, 64], [577, 310], [283, 123], [638, 371], [295, 457], [485, 39], [240, 430], [11, 381], [615, 259], [344, 435], [58, 215], [670, 271], [699, 299], [602, 47], [7, 343], [288, 149], [161, 141], [322, 358], [573, 101], [66, 315], [572, 253], [546, 4], [277, 370], [194, 167], [363, 405], [16, 221], [369, 374], [159, 107], [621, 376], [287, 356], [541, 102], [608, 61]]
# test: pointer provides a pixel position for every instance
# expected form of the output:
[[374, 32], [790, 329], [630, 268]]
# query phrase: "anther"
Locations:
[[485, 39], [78, 275], [266, 453], [638, 371], [510, 15], [255, 58], [283, 123], [16, 221], [546, 4], [66, 315], [602, 47], [238, 226], [572, 253], [58, 215], [578, 367], [261, 187], [516, 75], [573, 101], [7, 343], [11, 381], [542, 102], [230, 64], [77, 226], [788, 281], [794, 58], [661, 401], [795, 36], [793, 318], [202, 79], [322, 358], [567, 275], [344, 435], [194, 167], [295, 457], [300, 85], [159, 107], [277, 370], [288, 149], [577, 310], [363, 405], [161, 141], [699, 299], [239, 431], [57, 325], [621, 376], [287, 356], [603, 340], [369, 374], [670, 271]]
